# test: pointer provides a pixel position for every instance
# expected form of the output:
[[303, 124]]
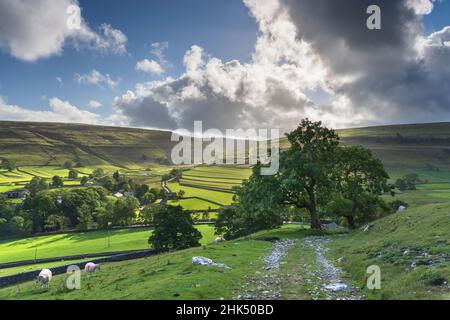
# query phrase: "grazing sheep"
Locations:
[[219, 239], [91, 267], [44, 277]]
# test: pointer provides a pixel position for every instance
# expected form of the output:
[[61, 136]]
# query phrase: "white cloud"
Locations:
[[150, 66], [158, 50], [61, 111], [268, 91], [32, 30], [97, 78], [94, 104]]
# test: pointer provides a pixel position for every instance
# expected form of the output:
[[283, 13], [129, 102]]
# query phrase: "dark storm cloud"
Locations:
[[379, 70]]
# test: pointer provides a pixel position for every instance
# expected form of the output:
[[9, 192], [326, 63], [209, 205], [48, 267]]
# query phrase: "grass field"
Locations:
[[201, 178], [216, 196], [194, 204], [393, 243], [168, 276], [81, 243]]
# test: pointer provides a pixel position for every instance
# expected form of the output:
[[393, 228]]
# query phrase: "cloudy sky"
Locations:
[[229, 63]]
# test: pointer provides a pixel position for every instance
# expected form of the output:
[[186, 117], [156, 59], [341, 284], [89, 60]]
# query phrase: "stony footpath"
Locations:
[[324, 279], [266, 284]]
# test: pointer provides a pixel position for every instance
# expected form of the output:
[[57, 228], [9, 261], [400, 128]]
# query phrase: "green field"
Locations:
[[172, 275], [81, 243], [221, 197], [202, 178], [168, 276], [194, 204]]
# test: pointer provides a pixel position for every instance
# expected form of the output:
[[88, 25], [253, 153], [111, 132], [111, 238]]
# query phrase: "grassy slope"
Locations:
[[172, 276], [81, 243], [422, 144], [168, 276], [53, 144], [199, 178], [394, 243]]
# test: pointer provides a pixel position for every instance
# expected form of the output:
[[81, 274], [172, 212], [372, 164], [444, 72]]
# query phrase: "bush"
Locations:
[[73, 175], [68, 164], [57, 182], [173, 230]]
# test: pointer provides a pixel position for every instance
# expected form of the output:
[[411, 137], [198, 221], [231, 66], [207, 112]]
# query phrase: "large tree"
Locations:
[[173, 229], [125, 210], [306, 167], [36, 185]]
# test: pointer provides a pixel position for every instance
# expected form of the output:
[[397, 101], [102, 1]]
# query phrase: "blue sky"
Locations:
[[439, 18], [223, 28], [229, 63]]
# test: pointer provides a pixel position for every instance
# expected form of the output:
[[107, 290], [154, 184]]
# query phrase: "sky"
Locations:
[[229, 63]]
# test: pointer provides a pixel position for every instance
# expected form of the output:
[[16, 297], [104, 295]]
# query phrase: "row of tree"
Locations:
[[55, 210]]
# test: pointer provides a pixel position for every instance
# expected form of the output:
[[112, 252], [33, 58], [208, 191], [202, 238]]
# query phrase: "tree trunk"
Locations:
[[351, 222], [315, 221], [350, 218]]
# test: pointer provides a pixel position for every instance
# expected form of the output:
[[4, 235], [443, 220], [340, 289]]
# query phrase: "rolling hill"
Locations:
[[46, 144], [420, 148]]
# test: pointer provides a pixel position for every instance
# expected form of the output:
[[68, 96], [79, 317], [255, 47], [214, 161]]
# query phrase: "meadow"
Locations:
[[394, 243], [82, 243], [213, 183], [167, 276]]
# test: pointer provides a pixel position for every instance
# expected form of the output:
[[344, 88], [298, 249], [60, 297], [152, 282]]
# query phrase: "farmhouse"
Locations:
[[16, 194]]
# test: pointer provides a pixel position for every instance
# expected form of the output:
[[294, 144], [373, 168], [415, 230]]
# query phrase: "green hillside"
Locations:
[[423, 148], [410, 148], [46, 144], [411, 248]]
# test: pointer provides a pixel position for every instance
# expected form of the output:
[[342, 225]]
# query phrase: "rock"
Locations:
[[335, 287], [330, 226], [439, 282], [202, 261]]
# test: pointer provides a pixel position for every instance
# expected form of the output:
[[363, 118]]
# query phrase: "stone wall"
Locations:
[[31, 275]]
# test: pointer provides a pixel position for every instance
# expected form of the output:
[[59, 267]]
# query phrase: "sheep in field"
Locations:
[[44, 277], [91, 267], [219, 239]]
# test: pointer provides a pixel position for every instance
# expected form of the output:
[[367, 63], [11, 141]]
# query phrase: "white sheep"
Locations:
[[219, 239], [91, 267], [44, 277]]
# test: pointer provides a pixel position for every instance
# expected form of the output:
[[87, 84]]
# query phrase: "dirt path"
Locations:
[[266, 284], [312, 277], [324, 279]]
